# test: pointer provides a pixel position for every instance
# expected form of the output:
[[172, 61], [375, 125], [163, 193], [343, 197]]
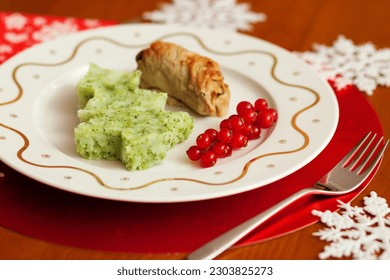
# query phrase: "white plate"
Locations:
[[38, 114]]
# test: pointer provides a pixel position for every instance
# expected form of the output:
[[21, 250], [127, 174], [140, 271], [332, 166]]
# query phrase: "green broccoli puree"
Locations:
[[121, 121]]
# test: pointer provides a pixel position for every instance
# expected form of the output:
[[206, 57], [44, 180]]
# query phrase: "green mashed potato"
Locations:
[[119, 120]]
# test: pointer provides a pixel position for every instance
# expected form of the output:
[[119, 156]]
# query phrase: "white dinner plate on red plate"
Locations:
[[38, 105]]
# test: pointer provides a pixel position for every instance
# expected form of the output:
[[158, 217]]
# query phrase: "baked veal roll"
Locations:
[[193, 79]]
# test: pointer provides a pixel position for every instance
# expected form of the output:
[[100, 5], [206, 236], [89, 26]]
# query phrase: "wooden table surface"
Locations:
[[294, 25]]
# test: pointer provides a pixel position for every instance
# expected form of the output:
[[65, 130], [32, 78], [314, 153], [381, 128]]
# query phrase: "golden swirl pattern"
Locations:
[[205, 47]]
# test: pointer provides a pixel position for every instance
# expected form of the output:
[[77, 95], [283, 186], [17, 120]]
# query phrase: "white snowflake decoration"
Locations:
[[39, 21], [15, 21], [207, 13], [15, 38], [360, 233], [349, 64], [54, 30], [5, 48], [91, 22]]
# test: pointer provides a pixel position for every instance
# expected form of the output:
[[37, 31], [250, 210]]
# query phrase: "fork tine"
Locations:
[[356, 161], [352, 153], [369, 156], [375, 160]]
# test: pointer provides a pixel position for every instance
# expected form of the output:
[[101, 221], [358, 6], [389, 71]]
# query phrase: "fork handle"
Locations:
[[216, 246]]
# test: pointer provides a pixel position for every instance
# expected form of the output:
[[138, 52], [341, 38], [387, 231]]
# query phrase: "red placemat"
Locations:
[[46, 213]]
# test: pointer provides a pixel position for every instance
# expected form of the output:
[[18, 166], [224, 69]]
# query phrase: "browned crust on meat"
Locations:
[[189, 77]]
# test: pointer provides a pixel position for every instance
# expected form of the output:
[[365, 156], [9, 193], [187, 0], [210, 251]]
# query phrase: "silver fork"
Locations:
[[361, 160]]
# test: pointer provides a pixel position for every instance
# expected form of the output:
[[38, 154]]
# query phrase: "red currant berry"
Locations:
[[236, 123], [249, 116], [229, 150], [242, 106], [225, 135], [212, 133], [238, 141], [261, 105], [203, 141], [274, 114], [265, 119], [247, 129], [208, 159], [220, 149], [194, 153], [225, 124], [255, 133]]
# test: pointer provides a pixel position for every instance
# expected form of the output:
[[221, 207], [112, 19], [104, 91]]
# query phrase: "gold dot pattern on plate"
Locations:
[[45, 156], [99, 51], [36, 76], [125, 179], [251, 63], [2, 137], [67, 177], [52, 52], [137, 34], [316, 121], [293, 99], [174, 189], [218, 173], [282, 141], [271, 165], [14, 116], [296, 73]]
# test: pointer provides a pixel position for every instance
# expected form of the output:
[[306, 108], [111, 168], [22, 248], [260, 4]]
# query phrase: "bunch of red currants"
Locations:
[[234, 132]]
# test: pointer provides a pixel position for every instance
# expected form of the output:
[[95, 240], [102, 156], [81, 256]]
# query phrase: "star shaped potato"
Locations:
[[121, 121]]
